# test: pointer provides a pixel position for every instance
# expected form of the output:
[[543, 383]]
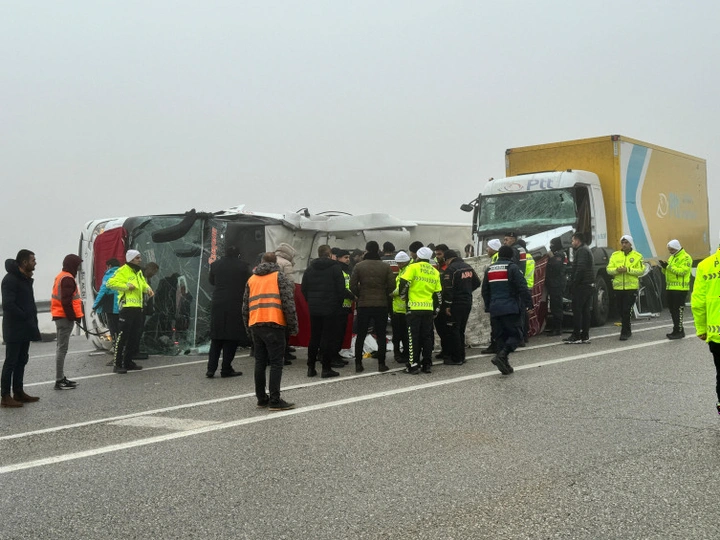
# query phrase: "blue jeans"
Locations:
[[269, 351]]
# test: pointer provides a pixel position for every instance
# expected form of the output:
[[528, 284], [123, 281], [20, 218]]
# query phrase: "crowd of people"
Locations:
[[430, 294]]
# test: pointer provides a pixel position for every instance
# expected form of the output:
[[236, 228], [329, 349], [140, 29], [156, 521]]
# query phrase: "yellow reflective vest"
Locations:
[[705, 300], [121, 281], [529, 270], [627, 281], [424, 282], [398, 304], [677, 271]]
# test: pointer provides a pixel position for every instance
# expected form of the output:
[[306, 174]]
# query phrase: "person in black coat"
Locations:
[[505, 294], [20, 326], [459, 280], [229, 275], [555, 280], [582, 288], [323, 287]]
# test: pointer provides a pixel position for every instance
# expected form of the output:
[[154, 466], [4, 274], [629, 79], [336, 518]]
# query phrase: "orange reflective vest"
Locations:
[[56, 307], [265, 304]]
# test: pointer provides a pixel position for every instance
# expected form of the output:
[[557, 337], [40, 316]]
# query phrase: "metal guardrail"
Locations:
[[42, 307]]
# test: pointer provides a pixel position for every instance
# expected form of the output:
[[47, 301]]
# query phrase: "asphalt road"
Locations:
[[607, 440]]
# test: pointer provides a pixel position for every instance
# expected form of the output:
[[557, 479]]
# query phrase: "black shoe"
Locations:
[[452, 363], [134, 367], [209, 374], [489, 350], [64, 384], [400, 359], [572, 338], [359, 367], [675, 335], [382, 368], [624, 337], [426, 369], [326, 374], [441, 355], [523, 343], [412, 369], [263, 402], [291, 349], [281, 405], [120, 370], [311, 372], [289, 356], [500, 361], [232, 373], [287, 362]]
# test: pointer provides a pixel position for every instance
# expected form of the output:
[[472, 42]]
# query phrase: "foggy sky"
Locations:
[[406, 107]]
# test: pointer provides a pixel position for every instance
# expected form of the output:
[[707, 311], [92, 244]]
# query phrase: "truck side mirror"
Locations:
[[467, 207]]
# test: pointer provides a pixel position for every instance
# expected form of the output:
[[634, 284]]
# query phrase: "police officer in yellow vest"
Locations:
[[398, 318], [130, 283], [677, 282], [626, 266], [65, 308], [492, 249], [268, 309], [705, 302], [421, 288]]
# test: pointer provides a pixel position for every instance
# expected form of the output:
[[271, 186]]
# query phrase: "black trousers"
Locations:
[[269, 351], [508, 331], [421, 336], [626, 301], [379, 316], [457, 323], [581, 304], [13, 371], [339, 334], [556, 307], [401, 347], [676, 306], [441, 327], [228, 348], [322, 331], [132, 323]]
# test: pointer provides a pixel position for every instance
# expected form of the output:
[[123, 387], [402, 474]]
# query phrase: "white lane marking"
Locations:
[[204, 361], [252, 394], [310, 408], [175, 424]]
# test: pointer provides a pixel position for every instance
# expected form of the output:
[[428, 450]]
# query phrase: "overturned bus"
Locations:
[[184, 245]]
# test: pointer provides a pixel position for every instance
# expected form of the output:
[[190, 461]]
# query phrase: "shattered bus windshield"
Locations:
[[527, 210]]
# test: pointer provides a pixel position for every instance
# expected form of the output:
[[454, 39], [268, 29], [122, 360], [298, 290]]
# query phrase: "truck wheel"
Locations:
[[601, 302]]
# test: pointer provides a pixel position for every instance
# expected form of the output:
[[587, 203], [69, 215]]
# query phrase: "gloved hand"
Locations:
[[663, 264]]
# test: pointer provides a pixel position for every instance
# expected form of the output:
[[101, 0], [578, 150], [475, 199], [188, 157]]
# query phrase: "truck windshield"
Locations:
[[527, 209]]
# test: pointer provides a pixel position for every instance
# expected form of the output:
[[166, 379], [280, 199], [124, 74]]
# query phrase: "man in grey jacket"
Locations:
[[372, 282]]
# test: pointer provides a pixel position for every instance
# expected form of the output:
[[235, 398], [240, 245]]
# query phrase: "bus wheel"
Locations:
[[601, 302]]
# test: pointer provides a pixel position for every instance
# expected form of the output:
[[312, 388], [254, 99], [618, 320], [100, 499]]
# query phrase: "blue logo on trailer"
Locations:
[[632, 181]]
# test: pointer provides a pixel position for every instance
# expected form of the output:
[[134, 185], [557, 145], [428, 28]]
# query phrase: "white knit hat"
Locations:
[[402, 257], [628, 238], [425, 253], [131, 254], [494, 244], [674, 244]]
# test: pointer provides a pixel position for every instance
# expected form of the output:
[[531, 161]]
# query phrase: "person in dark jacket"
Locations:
[[229, 275], [323, 287], [505, 295], [555, 280], [19, 325], [372, 282], [459, 280], [582, 286]]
